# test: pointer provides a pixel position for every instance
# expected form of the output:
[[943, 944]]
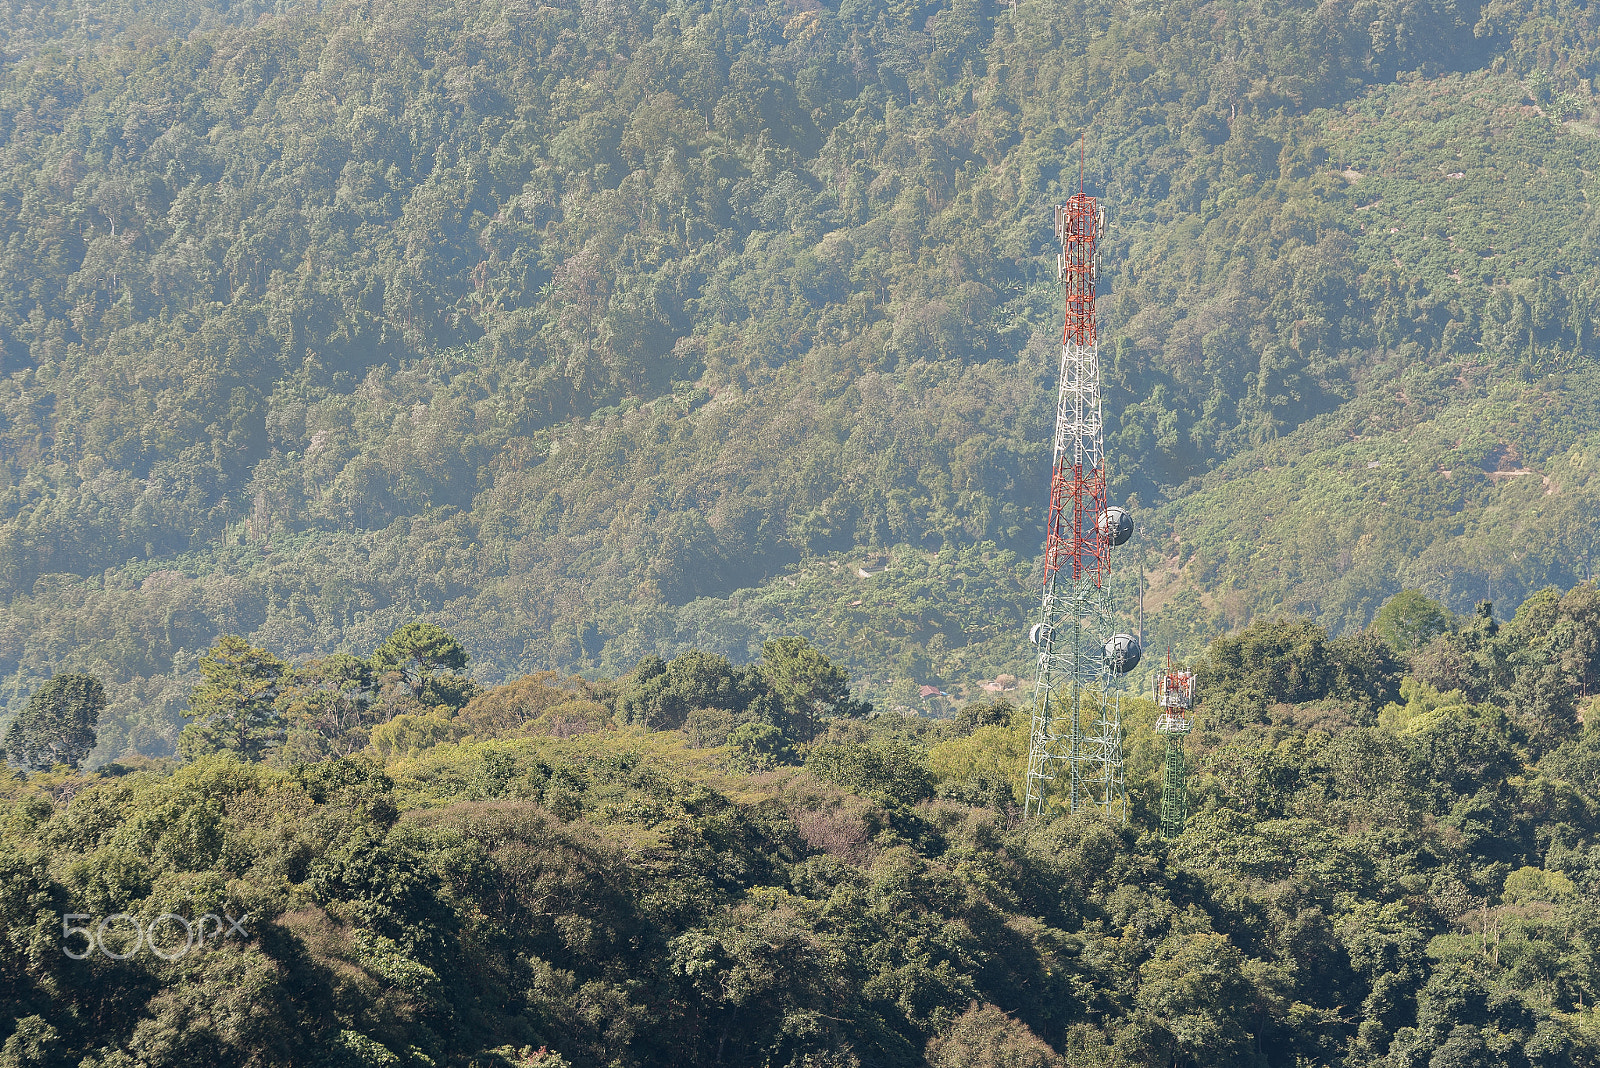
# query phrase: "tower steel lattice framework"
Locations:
[[1076, 719], [1176, 697]]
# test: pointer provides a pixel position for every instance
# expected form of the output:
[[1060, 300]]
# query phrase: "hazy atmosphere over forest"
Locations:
[[540, 505], [591, 332]]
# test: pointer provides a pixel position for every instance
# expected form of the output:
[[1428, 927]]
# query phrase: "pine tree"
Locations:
[[234, 709]]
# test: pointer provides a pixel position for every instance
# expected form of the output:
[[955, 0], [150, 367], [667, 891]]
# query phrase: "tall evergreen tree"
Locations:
[[57, 726], [234, 709], [426, 658], [811, 685]]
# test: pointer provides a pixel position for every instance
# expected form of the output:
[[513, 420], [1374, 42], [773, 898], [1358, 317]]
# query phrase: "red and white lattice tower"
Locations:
[[1076, 717]]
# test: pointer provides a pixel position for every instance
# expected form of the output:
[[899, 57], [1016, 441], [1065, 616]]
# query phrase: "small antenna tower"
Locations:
[[1077, 713], [1176, 696]]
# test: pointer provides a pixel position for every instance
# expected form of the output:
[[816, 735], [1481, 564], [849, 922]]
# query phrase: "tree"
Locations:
[[1195, 989], [1270, 660], [660, 695], [891, 772], [985, 1037], [1410, 620], [426, 658], [1541, 703], [995, 712], [235, 707], [758, 747], [1535, 647], [1365, 670], [327, 708], [1580, 610], [57, 725], [544, 699], [810, 685], [1472, 658]]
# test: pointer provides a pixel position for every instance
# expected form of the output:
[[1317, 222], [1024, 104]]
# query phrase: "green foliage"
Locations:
[[758, 747], [32, 1042], [662, 334], [1409, 620], [256, 706], [811, 686], [1424, 706], [661, 696], [792, 690], [891, 772], [1294, 662], [235, 707], [976, 715], [57, 725], [985, 1037], [528, 1057], [317, 323], [427, 659], [986, 767], [1195, 990], [1343, 894], [328, 708]]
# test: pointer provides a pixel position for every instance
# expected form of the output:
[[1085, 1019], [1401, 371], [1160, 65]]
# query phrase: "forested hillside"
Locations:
[[600, 330], [1391, 861]]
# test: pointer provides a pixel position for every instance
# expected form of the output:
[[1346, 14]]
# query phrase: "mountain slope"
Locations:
[[575, 327]]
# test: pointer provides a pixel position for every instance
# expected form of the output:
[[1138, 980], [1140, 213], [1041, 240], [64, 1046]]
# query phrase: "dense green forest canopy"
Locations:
[[1391, 861], [598, 330], [360, 357]]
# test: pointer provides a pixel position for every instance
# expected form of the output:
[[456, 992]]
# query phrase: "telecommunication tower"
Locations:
[[1176, 696], [1077, 714]]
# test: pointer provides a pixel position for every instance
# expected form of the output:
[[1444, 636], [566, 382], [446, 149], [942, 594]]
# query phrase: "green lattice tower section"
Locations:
[[1174, 789], [1176, 697]]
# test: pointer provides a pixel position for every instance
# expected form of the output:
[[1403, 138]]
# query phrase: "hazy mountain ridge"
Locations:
[[573, 327]]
